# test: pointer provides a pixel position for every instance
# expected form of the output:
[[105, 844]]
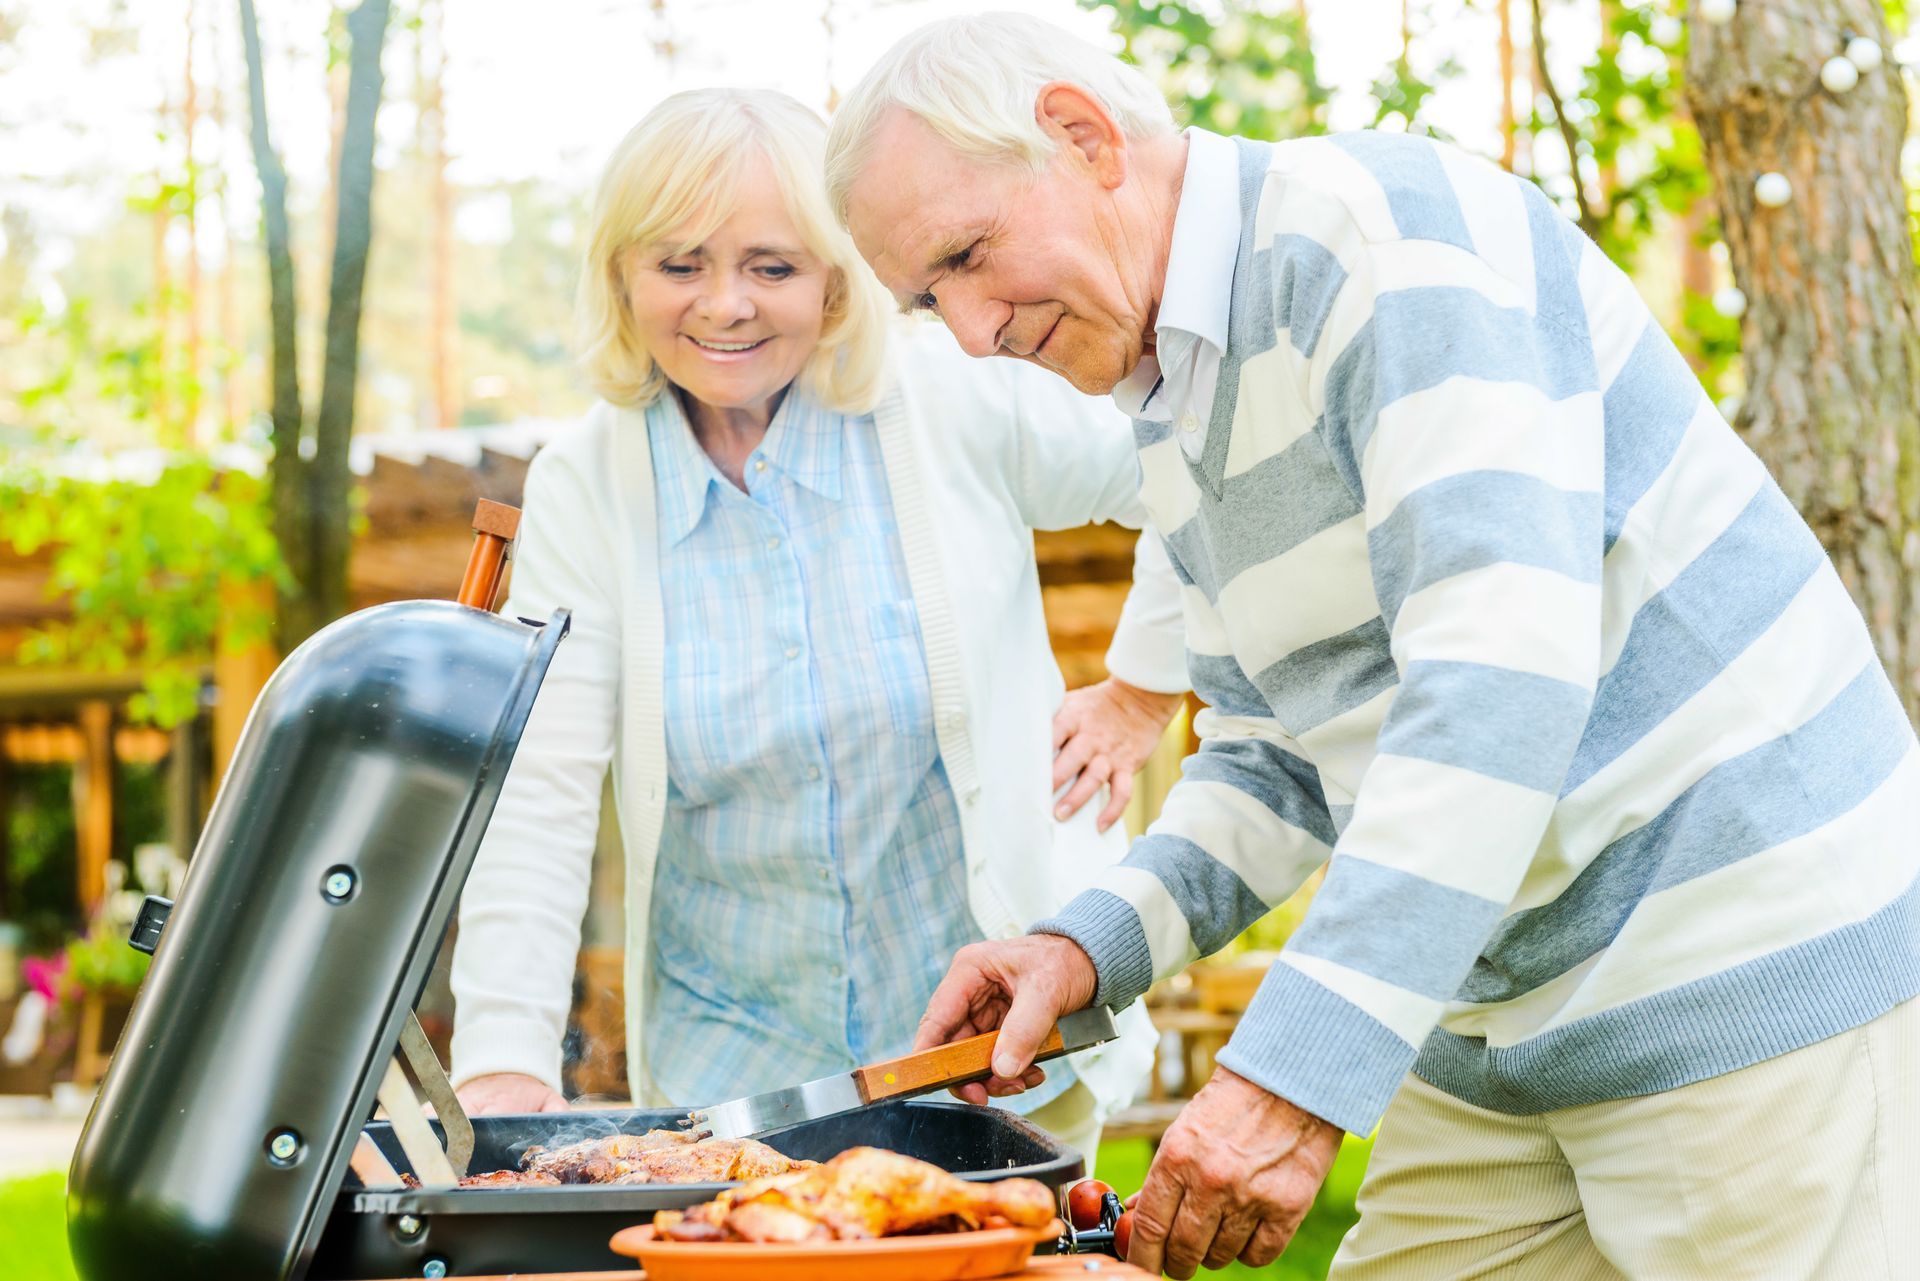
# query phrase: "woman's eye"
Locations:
[[776, 271], [678, 269]]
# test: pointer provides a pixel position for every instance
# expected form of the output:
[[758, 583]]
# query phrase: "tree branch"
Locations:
[[1589, 220]]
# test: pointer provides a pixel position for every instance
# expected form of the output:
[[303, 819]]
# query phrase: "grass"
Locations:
[[33, 1218], [33, 1228], [1124, 1165]]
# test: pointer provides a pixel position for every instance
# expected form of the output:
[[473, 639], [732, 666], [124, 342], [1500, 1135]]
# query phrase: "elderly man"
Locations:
[[1499, 621]]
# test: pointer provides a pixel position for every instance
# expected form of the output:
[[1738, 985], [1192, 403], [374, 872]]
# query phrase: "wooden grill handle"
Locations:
[[943, 1066], [495, 525]]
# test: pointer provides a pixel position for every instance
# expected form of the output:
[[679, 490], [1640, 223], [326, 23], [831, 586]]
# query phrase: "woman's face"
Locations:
[[733, 320]]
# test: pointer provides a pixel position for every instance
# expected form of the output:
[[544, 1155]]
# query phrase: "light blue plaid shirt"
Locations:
[[811, 883]]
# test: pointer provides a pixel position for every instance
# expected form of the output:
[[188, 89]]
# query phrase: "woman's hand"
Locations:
[[1103, 734], [508, 1092]]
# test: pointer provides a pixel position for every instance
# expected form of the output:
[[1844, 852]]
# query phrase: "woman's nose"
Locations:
[[727, 303]]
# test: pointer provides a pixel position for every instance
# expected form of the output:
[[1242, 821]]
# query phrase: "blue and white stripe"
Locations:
[[1495, 612]]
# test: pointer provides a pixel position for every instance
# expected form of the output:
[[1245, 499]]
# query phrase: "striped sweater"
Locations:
[[1497, 618]]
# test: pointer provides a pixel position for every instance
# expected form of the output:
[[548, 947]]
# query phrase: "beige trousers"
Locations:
[[1804, 1166]]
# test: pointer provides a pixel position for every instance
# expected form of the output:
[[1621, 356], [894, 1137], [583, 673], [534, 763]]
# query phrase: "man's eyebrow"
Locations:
[[945, 251]]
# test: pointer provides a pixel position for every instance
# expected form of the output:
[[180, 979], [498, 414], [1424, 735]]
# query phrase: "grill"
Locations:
[[230, 1140], [496, 1230]]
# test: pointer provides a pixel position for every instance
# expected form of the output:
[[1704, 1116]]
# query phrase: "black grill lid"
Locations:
[[312, 910]]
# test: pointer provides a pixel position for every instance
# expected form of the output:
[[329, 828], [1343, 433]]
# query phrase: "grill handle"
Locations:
[[495, 525]]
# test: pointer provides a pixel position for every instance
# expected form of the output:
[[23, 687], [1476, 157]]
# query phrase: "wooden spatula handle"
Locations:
[[935, 1069]]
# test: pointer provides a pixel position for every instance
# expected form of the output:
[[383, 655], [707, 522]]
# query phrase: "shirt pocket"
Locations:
[[729, 719], [893, 631]]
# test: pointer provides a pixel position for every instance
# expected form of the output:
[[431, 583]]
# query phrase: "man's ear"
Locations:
[[1074, 117]]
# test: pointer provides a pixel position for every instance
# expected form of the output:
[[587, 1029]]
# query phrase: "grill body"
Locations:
[[481, 1231]]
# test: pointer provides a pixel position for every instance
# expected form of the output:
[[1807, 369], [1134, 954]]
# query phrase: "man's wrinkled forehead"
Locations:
[[910, 203]]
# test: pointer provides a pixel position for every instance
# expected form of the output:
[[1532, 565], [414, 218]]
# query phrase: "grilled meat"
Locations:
[[658, 1156], [860, 1194]]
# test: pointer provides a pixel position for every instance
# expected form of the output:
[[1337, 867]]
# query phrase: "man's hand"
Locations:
[[1020, 986], [1235, 1174], [508, 1092], [1103, 734]]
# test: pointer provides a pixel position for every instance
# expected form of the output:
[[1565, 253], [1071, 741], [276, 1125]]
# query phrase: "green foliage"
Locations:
[[100, 961], [1633, 133], [1232, 66], [42, 853], [142, 562], [33, 1228]]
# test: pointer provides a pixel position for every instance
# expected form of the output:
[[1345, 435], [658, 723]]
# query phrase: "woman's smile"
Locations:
[[715, 349]]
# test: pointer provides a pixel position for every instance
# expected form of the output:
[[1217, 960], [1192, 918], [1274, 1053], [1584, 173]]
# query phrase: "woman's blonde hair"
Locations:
[[676, 172]]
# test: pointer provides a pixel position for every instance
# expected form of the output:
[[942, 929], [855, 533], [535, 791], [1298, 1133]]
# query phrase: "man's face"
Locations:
[[1040, 267]]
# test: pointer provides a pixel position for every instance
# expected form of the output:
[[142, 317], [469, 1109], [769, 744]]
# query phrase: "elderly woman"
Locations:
[[807, 640]]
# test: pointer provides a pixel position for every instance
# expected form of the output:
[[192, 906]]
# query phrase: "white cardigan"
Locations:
[[978, 455]]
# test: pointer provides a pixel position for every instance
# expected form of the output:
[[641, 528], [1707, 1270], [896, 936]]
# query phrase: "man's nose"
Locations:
[[975, 325]]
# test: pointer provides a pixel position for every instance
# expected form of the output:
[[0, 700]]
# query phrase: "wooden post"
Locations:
[[93, 801], [240, 672], [183, 788]]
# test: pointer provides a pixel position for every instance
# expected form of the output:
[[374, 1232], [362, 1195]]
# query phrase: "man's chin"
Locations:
[[1089, 375]]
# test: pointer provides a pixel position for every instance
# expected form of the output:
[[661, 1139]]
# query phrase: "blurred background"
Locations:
[[284, 291]]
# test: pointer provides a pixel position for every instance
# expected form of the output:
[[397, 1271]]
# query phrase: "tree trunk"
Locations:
[[1831, 334], [331, 480], [288, 480], [1507, 122]]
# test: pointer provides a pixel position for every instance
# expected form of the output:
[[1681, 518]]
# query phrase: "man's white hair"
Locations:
[[975, 81]]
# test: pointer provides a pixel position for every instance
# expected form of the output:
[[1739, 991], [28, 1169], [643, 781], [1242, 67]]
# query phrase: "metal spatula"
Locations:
[[901, 1078]]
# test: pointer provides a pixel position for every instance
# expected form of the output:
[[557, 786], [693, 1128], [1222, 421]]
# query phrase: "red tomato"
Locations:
[[1083, 1203], [1123, 1234]]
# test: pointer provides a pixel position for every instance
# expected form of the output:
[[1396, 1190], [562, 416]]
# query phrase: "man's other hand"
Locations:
[[1019, 987], [1234, 1176], [1103, 734]]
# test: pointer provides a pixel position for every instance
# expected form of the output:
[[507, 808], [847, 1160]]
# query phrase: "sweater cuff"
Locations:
[[1108, 930], [1143, 659], [523, 1046], [1318, 1051]]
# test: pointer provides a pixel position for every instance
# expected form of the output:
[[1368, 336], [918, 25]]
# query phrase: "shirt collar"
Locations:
[[1197, 295], [803, 443], [682, 471]]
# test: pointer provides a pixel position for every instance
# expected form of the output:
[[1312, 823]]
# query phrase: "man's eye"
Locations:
[[926, 302]]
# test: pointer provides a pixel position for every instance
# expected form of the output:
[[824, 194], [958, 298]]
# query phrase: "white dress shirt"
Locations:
[[1175, 383]]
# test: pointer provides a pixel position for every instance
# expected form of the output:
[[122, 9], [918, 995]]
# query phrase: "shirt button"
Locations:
[[826, 873], [793, 652], [759, 464], [953, 718], [1190, 423], [833, 971], [813, 773], [773, 544]]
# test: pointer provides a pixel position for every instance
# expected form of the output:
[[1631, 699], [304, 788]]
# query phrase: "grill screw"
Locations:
[[339, 884], [435, 1268], [408, 1225], [283, 1146]]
